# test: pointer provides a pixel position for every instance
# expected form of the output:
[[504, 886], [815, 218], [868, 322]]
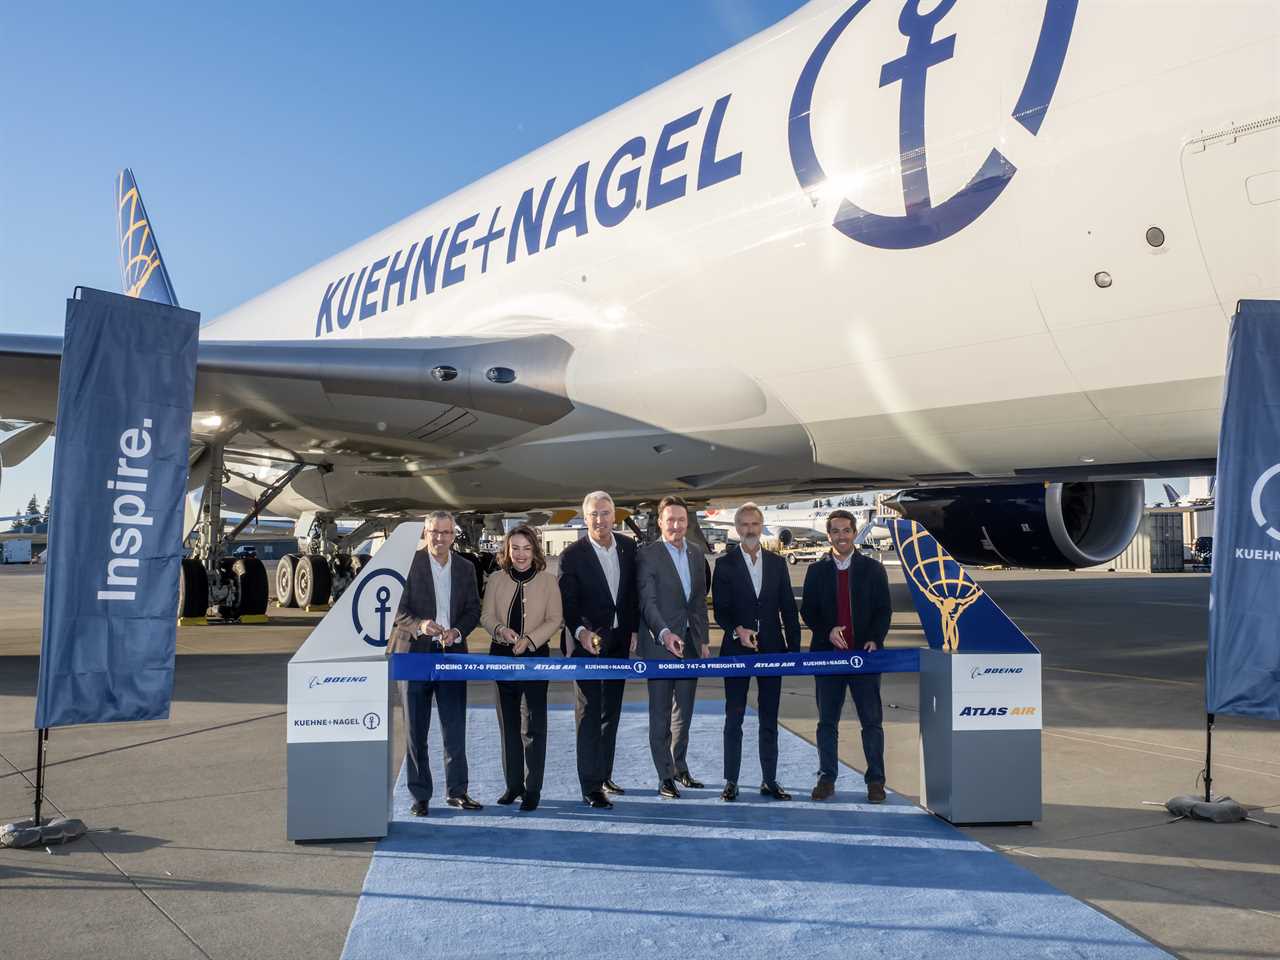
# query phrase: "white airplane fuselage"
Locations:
[[849, 251]]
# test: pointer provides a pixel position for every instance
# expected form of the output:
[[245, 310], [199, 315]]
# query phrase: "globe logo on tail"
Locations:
[[938, 577]]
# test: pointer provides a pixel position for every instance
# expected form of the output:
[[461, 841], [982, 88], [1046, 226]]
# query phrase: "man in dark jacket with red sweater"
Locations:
[[846, 604]]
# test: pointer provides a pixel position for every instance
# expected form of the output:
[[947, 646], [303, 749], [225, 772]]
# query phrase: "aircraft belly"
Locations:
[[998, 438]]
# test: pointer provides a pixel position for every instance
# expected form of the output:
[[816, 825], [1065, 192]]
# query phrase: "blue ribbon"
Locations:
[[437, 666]]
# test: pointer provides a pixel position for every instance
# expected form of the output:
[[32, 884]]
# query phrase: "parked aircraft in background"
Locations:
[[986, 253], [1189, 501], [786, 525]]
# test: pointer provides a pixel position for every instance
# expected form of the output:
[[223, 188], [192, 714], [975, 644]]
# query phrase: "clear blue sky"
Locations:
[[267, 137]]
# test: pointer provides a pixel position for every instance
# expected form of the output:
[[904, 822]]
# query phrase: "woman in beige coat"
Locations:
[[522, 613]]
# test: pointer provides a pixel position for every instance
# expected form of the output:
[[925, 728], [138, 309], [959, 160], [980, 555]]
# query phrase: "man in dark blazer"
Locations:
[[846, 604], [601, 614], [439, 607], [673, 625], [756, 608]]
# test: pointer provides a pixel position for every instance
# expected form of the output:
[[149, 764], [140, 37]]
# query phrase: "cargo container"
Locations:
[[1157, 547], [17, 551]]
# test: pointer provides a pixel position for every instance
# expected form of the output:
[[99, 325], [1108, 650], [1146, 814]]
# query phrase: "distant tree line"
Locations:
[[34, 520]]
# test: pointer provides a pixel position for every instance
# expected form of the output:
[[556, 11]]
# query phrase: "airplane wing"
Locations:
[[387, 406], [305, 401]]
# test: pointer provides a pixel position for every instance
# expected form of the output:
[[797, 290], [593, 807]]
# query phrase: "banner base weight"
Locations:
[[28, 833]]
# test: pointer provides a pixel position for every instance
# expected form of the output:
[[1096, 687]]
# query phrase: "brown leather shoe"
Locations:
[[875, 793], [822, 790]]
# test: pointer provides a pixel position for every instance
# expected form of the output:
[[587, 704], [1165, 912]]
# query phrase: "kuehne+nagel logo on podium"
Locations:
[[373, 608]]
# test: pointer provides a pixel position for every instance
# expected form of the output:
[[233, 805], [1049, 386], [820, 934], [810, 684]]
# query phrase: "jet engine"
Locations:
[[1051, 526]]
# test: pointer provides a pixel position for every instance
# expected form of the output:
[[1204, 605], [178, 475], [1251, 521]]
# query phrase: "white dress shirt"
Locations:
[[608, 557], [442, 578], [755, 568], [842, 564]]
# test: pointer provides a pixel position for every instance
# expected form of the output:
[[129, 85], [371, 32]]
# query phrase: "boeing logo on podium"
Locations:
[[319, 681], [373, 611], [925, 221]]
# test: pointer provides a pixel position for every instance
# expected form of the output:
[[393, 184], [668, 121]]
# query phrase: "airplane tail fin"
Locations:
[[142, 271], [1173, 495], [958, 616]]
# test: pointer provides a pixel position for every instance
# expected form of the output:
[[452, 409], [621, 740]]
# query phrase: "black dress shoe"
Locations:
[[530, 802], [419, 808], [774, 790], [611, 787], [668, 789], [510, 797], [730, 792], [464, 802], [688, 781], [596, 800]]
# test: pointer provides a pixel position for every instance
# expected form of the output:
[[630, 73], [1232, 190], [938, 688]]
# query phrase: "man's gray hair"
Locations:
[[747, 507], [439, 515], [592, 497]]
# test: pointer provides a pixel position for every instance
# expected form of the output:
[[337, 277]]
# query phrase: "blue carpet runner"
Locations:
[[697, 877]]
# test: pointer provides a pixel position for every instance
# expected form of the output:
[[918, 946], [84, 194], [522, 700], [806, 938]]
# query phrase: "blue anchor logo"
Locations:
[[924, 221], [382, 609]]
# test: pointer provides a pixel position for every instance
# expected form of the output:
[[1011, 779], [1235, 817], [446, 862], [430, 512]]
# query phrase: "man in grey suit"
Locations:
[[673, 625]]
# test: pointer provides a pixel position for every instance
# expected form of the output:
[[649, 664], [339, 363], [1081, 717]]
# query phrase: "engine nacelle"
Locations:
[[1051, 526]]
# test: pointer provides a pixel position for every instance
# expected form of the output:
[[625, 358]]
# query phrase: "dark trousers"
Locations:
[[451, 702], [865, 691], [522, 724], [769, 694], [670, 713], [597, 710]]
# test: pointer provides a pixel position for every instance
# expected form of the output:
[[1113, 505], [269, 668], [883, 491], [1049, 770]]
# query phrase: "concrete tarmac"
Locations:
[[186, 855]]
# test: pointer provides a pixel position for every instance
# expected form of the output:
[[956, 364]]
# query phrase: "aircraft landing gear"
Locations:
[[325, 567], [213, 582], [312, 582]]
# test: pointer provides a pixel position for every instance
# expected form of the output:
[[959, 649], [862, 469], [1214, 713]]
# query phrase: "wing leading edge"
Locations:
[[383, 398]]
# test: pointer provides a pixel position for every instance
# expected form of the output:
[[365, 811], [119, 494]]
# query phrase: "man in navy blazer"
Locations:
[[755, 606], [846, 604], [601, 615], [439, 607]]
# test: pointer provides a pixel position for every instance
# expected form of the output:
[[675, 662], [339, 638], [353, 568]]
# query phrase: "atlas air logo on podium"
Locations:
[[958, 616], [934, 576], [930, 48]]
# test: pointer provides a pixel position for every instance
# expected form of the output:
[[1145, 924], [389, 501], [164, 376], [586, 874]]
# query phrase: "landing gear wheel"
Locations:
[[193, 590], [791, 559], [286, 593], [311, 581], [251, 573]]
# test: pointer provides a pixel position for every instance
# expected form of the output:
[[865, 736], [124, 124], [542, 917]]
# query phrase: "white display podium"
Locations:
[[340, 740]]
